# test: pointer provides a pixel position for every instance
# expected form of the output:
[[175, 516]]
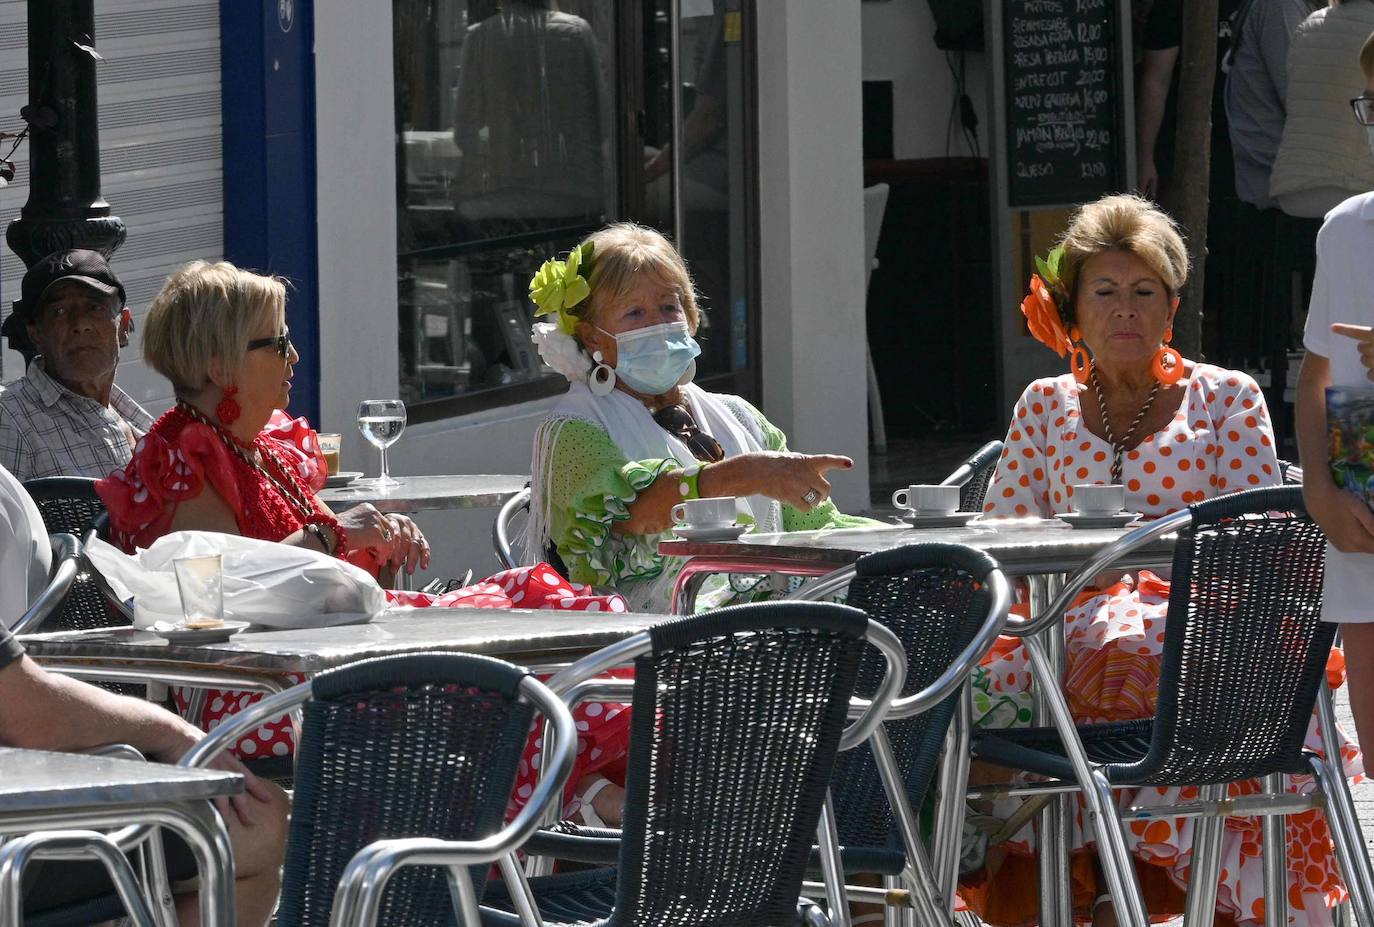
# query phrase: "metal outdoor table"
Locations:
[[428, 493], [1023, 547], [61, 791], [1040, 550], [263, 660]]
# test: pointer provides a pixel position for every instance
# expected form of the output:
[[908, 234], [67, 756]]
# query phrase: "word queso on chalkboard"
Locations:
[[1063, 109]]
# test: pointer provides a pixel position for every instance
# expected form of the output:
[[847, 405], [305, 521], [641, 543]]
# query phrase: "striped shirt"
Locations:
[[48, 430]]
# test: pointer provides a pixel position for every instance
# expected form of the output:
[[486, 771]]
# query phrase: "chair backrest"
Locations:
[[69, 504], [66, 566], [875, 205], [935, 598], [974, 475], [737, 718], [417, 745], [1244, 647], [503, 529]]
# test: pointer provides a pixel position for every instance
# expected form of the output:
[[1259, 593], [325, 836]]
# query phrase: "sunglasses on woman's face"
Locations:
[[678, 421], [1364, 110], [281, 342]]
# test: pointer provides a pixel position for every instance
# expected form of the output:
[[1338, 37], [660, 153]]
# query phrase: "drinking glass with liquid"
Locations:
[[381, 422]]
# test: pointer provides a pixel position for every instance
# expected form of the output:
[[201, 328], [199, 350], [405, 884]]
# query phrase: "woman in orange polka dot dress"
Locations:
[[1172, 432]]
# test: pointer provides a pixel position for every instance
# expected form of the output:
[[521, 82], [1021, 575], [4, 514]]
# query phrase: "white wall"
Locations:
[[812, 233], [811, 216], [899, 45]]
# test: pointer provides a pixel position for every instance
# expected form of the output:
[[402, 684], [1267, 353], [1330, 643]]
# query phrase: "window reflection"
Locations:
[[505, 155]]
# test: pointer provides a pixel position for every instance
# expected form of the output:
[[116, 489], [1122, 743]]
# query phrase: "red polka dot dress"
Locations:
[[1219, 441]]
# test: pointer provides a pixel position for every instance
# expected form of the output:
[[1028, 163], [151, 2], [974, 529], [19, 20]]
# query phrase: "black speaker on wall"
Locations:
[[958, 24]]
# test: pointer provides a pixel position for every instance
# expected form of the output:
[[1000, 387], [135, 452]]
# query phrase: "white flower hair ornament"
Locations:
[[556, 288]]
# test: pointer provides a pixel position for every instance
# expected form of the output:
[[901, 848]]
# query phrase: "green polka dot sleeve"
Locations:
[[591, 487], [825, 515]]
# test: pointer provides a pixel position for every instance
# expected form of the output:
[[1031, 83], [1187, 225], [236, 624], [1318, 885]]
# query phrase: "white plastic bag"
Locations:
[[265, 583]]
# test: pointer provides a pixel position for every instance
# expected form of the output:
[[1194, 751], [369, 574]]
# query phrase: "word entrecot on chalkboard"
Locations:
[[1063, 101]]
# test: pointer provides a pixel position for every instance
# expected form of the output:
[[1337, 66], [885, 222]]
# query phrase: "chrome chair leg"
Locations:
[[1341, 816], [1344, 825], [67, 845], [832, 867], [1206, 870], [947, 839], [1117, 866], [929, 909], [1275, 859]]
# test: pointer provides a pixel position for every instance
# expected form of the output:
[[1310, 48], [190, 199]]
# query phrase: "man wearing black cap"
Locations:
[[65, 416]]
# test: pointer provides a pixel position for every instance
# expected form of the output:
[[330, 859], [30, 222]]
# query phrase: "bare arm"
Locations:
[[398, 541], [1156, 76], [48, 711], [784, 476], [1347, 521]]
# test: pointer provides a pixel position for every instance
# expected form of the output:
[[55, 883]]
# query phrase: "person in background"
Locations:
[[1267, 243], [1339, 338], [1323, 157], [1157, 97], [1256, 87], [65, 416]]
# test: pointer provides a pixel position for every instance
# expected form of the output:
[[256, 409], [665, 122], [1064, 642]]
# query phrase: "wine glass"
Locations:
[[381, 422]]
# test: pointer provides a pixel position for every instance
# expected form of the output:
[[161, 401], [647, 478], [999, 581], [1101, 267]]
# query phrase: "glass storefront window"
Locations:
[[505, 132], [715, 215]]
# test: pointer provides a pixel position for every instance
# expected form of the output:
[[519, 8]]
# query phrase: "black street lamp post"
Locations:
[[65, 208]]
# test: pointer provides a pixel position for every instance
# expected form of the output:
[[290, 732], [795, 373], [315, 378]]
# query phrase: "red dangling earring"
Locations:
[[1079, 362], [228, 409], [1168, 363]]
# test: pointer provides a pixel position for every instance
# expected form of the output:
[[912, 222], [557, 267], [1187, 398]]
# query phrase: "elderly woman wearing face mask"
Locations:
[[634, 436]]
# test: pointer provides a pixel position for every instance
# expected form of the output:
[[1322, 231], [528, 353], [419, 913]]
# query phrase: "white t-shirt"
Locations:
[[25, 555], [1343, 291]]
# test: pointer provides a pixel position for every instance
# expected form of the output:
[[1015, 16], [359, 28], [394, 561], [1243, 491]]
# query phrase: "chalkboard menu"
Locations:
[[1064, 132]]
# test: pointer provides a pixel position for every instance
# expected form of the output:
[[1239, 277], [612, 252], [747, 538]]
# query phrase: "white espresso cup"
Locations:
[[927, 499], [712, 512], [1099, 499]]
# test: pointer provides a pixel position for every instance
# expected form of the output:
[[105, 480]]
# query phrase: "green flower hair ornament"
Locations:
[[561, 285], [1051, 266]]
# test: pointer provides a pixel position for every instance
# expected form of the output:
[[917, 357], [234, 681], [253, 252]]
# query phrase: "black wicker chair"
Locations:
[[399, 759], [738, 715], [973, 476], [1244, 663], [946, 603], [70, 505]]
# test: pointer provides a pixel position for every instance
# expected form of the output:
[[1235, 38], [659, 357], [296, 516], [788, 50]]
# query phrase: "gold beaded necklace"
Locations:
[[1120, 447]]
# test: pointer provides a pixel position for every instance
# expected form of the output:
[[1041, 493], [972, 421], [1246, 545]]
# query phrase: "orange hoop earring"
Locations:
[[1081, 364], [1167, 366]]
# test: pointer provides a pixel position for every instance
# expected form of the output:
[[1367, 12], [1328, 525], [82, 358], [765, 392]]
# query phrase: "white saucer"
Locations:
[[1119, 520], [342, 478], [714, 533], [939, 519], [177, 634]]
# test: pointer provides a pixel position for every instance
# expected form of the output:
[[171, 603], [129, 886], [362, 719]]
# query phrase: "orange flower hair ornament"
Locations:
[[1043, 316]]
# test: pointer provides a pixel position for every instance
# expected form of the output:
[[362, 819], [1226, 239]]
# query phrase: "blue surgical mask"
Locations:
[[655, 359]]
